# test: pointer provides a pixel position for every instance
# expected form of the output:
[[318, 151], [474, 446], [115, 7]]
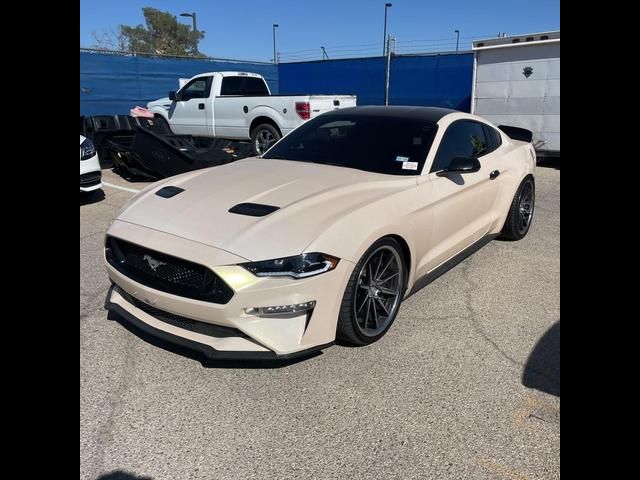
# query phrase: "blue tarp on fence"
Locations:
[[112, 84], [430, 80]]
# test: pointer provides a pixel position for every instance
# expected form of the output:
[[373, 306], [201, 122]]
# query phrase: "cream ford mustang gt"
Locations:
[[323, 236]]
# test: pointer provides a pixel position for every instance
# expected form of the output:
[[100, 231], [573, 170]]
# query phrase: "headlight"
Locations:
[[300, 266], [87, 150]]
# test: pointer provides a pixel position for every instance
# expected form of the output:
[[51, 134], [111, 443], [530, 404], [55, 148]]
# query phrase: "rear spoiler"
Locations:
[[517, 133]]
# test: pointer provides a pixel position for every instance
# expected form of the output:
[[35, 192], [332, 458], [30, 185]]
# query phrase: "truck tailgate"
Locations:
[[324, 103]]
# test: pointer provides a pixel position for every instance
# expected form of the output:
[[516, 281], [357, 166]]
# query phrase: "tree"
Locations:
[[162, 35], [112, 39]]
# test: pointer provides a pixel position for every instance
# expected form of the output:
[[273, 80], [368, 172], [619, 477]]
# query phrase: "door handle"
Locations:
[[201, 106], [493, 175]]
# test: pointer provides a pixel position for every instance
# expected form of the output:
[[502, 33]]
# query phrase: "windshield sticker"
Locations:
[[402, 159], [417, 140], [410, 165]]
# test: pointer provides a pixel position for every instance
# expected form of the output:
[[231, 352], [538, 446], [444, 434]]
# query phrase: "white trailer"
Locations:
[[516, 81]]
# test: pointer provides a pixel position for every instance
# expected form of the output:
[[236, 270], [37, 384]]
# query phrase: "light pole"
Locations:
[[384, 38], [275, 58], [457, 39], [195, 30]]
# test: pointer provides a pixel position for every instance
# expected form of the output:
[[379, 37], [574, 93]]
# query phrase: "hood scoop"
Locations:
[[168, 192], [253, 209]]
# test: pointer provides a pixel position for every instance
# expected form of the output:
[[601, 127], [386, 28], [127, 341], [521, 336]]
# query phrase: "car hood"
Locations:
[[310, 198]]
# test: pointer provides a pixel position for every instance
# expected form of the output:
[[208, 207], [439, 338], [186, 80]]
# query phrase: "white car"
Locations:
[[321, 238], [90, 172]]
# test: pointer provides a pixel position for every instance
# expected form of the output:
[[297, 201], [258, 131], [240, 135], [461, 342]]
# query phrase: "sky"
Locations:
[[242, 29]]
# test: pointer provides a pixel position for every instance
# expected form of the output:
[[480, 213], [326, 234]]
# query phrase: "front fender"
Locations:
[[158, 110], [350, 236]]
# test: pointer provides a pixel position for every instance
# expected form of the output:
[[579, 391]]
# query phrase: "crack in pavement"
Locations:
[[468, 297], [104, 434]]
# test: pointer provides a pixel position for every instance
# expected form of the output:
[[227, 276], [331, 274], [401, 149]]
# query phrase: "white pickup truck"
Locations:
[[239, 106]]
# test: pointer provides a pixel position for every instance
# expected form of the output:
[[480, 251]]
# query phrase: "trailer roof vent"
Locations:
[[515, 40], [544, 37], [529, 39], [481, 44]]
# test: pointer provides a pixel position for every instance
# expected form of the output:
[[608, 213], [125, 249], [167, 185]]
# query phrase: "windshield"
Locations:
[[374, 143]]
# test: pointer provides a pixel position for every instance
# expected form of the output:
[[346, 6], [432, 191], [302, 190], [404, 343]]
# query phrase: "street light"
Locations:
[[457, 39], [275, 58], [384, 39], [195, 30]]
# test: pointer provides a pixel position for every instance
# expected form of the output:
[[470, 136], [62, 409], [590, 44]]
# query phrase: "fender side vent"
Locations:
[[253, 209], [168, 192]]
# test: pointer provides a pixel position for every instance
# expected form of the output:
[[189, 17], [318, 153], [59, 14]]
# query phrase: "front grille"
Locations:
[[166, 273], [183, 322], [90, 179]]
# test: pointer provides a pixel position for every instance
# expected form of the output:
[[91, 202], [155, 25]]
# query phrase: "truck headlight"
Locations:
[[87, 150], [299, 266]]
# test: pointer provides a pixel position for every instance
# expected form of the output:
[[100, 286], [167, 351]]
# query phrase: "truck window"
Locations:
[[243, 86], [197, 88]]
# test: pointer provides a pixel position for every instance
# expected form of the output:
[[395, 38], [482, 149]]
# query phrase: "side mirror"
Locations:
[[462, 165], [172, 95]]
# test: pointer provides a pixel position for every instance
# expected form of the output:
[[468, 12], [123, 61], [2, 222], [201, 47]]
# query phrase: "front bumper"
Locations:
[[90, 174], [275, 336]]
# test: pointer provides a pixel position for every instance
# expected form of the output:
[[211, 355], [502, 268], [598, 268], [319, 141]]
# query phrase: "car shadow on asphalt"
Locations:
[[200, 357], [121, 475], [94, 196], [542, 370], [548, 162]]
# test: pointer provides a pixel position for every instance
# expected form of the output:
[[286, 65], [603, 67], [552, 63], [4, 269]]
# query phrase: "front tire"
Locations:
[[373, 295], [520, 213], [262, 137]]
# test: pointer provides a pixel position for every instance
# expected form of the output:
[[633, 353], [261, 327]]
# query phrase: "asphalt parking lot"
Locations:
[[466, 384]]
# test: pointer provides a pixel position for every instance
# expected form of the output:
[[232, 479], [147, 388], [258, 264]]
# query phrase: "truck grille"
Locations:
[[166, 273]]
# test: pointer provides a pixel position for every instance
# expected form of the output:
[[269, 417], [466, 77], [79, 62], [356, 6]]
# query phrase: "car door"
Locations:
[[188, 114], [462, 203]]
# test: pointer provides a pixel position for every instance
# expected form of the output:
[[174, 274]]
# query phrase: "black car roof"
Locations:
[[430, 114]]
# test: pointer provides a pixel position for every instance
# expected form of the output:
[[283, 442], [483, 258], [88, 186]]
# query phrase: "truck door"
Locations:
[[190, 111]]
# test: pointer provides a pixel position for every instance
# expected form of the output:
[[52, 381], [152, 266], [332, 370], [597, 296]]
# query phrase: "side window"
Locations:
[[197, 88], [462, 139], [254, 86], [497, 136], [243, 86], [494, 140], [231, 86]]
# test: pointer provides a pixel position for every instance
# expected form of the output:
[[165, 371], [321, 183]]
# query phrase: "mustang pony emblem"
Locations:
[[153, 263]]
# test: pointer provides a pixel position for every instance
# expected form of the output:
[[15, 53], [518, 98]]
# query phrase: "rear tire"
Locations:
[[373, 295], [262, 137], [520, 213]]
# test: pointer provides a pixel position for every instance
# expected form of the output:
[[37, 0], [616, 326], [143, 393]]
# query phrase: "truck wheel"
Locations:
[[161, 124], [262, 137]]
